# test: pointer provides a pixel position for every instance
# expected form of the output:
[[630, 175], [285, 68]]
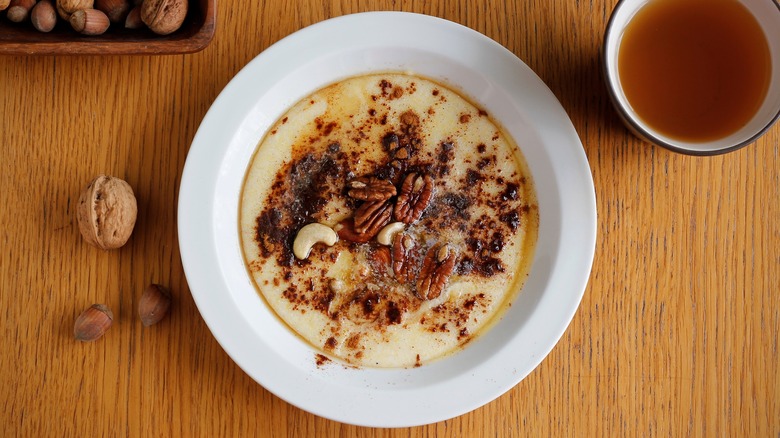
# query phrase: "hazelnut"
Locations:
[[116, 10], [89, 22], [19, 10], [4, 4], [133, 20], [154, 304], [106, 212], [66, 7], [163, 16], [43, 16], [93, 323]]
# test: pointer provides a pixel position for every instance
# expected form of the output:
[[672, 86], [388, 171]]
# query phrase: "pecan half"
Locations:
[[403, 257], [346, 231], [436, 270], [372, 216], [416, 193], [369, 188]]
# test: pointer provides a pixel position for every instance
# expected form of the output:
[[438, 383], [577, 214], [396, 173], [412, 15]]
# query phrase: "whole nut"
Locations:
[[67, 7], [310, 235], [116, 10], [154, 304], [133, 20], [89, 22], [163, 16], [106, 212], [4, 4], [93, 323], [19, 10], [43, 16]]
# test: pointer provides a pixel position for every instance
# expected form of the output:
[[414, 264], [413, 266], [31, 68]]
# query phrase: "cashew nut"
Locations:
[[386, 234], [310, 235]]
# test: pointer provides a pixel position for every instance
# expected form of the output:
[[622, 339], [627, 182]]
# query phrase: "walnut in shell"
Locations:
[[106, 212], [65, 8], [163, 16]]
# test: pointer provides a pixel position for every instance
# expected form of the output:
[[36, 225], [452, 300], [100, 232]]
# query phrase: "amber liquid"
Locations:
[[694, 70]]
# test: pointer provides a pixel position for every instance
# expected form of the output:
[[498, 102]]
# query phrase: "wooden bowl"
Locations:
[[195, 34]]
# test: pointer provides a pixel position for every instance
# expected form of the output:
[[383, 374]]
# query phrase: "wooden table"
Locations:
[[677, 334]]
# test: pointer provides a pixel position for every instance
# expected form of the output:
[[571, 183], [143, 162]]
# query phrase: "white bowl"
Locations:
[[292, 69], [766, 12]]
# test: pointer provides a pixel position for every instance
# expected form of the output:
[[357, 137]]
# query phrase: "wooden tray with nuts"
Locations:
[[105, 27]]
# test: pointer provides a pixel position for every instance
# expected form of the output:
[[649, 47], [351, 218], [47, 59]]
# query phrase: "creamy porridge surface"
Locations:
[[376, 150]]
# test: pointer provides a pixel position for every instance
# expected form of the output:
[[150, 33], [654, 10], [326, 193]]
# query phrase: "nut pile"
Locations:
[[94, 17], [382, 203], [372, 219], [95, 321], [106, 214]]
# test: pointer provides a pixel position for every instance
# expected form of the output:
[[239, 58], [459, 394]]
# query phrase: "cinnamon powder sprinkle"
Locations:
[[315, 176]]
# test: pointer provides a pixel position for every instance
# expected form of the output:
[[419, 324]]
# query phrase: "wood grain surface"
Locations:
[[195, 33], [677, 334]]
